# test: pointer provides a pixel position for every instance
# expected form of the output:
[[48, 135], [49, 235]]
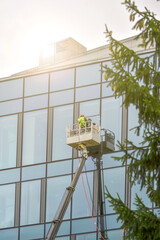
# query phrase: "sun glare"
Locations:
[[40, 38], [47, 50]]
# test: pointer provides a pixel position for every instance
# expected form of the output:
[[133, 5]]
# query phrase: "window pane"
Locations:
[[108, 64], [36, 84], [9, 234], [114, 180], [55, 191], [87, 93], [112, 222], [90, 108], [59, 168], [106, 91], [34, 137], [11, 89], [7, 202], [88, 74], [36, 102], [33, 172], [133, 122], [10, 176], [60, 98], [111, 116], [108, 160], [63, 116], [63, 230], [83, 225], [89, 165], [8, 141], [157, 212], [142, 194], [91, 236], [10, 107], [116, 234], [62, 80], [34, 232], [80, 206], [30, 202], [63, 238]]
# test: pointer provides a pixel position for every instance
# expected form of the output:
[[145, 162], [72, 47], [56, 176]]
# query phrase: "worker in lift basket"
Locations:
[[82, 121]]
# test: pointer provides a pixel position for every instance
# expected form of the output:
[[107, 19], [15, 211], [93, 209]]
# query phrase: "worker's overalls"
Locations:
[[82, 122]]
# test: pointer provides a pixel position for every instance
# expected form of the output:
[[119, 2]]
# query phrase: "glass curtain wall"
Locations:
[[30, 196]]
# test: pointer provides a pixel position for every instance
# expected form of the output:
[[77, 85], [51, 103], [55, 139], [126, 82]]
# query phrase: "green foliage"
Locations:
[[138, 79], [140, 223]]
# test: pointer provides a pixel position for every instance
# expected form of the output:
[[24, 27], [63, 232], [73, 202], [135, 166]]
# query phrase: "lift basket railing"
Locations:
[[77, 130]]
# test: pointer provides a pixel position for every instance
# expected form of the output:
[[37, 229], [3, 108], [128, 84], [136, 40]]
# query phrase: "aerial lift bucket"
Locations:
[[89, 135]]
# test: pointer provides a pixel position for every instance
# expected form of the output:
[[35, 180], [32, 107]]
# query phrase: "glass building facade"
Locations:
[[36, 165]]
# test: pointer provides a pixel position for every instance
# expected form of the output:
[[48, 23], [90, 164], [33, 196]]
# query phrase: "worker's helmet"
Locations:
[[82, 115]]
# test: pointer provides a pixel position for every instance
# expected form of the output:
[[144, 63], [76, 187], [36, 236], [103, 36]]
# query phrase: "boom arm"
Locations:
[[63, 207]]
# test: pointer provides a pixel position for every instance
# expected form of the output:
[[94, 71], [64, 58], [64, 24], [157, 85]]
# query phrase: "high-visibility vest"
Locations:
[[82, 121]]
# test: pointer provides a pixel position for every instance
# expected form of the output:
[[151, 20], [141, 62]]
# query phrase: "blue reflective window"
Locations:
[[112, 222], [33, 172], [145, 55], [89, 165], [9, 234], [7, 203], [87, 93], [116, 234], [106, 91], [142, 194], [80, 206], [9, 176], [33, 232], [63, 238], [157, 212], [59, 168], [59, 98], [83, 225], [34, 137], [88, 74], [10, 107], [90, 108], [62, 80], [11, 89], [55, 191], [114, 180], [36, 84], [112, 116], [108, 160], [36, 102], [63, 116], [90, 236], [8, 141], [30, 202], [133, 122], [63, 230]]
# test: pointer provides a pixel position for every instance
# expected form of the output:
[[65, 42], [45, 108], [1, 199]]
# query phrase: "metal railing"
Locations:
[[77, 130]]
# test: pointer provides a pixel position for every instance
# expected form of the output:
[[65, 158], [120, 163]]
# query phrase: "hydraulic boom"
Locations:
[[63, 207]]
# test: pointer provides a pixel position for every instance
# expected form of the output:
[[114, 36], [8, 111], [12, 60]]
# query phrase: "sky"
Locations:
[[26, 25]]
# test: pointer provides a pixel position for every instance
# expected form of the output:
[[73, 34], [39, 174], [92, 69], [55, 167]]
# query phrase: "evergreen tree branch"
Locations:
[[138, 79], [137, 223]]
